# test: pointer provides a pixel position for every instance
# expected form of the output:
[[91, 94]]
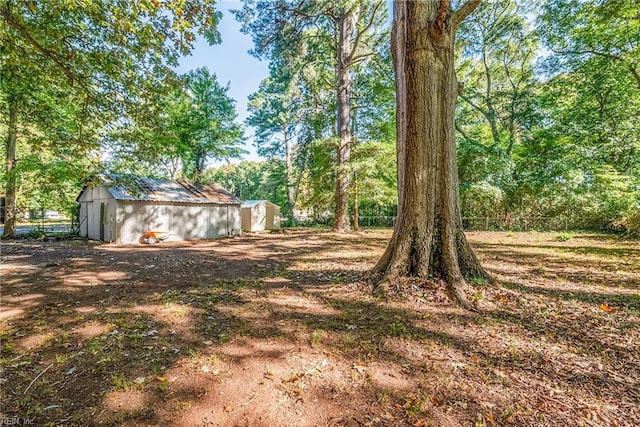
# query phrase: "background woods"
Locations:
[[546, 120]]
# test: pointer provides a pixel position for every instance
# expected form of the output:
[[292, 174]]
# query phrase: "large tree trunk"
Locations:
[[346, 29], [428, 239], [10, 189]]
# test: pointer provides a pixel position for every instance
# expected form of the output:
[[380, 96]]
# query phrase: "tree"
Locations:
[[276, 112], [578, 29], [428, 239], [107, 55], [182, 131], [250, 180], [208, 129], [346, 30], [498, 53]]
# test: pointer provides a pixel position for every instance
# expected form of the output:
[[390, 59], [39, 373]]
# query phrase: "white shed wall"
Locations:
[[185, 222], [261, 216], [92, 223]]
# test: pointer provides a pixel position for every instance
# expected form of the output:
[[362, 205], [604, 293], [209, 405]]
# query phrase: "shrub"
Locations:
[[629, 224]]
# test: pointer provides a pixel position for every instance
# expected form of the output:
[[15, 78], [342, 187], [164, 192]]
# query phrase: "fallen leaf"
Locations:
[[489, 416], [608, 308], [358, 368]]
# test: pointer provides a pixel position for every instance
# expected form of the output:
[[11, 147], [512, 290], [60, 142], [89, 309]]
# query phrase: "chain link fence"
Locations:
[[559, 223]]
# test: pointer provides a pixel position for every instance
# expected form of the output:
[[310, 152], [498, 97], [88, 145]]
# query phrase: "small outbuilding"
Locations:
[[123, 209], [260, 215]]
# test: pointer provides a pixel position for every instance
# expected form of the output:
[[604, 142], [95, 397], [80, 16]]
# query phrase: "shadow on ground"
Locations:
[[279, 329]]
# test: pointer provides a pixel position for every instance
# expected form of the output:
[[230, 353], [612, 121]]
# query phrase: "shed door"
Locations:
[[103, 219]]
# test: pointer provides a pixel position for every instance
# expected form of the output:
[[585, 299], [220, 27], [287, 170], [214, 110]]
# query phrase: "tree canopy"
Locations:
[[546, 118], [78, 67]]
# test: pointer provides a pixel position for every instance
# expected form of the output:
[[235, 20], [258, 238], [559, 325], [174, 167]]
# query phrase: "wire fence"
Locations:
[[558, 223]]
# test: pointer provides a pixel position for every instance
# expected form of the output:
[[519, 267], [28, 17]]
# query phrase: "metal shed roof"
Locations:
[[162, 190], [252, 203]]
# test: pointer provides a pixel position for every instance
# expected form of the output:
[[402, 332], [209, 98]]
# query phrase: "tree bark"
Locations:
[[346, 28], [428, 239], [356, 203], [291, 190], [10, 188]]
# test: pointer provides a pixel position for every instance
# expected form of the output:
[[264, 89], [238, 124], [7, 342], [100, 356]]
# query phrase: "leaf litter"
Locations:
[[264, 330]]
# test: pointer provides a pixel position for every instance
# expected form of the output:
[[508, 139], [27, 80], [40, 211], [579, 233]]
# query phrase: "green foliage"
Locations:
[[630, 224], [375, 177], [547, 121], [563, 146], [70, 70], [209, 130], [564, 237], [251, 180], [295, 110], [189, 127]]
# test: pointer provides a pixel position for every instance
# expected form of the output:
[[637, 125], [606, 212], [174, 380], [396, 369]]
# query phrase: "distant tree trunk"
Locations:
[[10, 188], [291, 189], [428, 239], [346, 29], [356, 203]]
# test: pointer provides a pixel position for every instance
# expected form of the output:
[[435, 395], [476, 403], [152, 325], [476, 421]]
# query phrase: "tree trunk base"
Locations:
[[386, 286]]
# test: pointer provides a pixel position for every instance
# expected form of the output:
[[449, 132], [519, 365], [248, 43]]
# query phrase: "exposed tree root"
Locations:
[[459, 296], [387, 285]]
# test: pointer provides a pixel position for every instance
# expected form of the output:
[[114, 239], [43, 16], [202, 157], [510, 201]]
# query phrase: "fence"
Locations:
[[559, 223]]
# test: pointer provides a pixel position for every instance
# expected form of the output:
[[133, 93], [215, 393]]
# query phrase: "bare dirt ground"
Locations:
[[281, 329]]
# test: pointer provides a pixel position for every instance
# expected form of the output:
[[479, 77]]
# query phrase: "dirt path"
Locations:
[[279, 329]]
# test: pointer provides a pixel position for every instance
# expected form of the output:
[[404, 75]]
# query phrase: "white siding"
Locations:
[[126, 222], [261, 216], [234, 220], [91, 201], [185, 222], [246, 218]]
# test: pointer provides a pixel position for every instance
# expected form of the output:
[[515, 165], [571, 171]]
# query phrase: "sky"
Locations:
[[231, 62]]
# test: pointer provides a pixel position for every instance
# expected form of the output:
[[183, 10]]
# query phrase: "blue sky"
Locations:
[[232, 64]]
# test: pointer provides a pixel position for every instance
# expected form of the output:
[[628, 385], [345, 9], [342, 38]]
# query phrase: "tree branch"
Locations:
[[475, 106], [361, 57], [356, 42], [635, 73], [461, 132], [464, 11], [585, 52], [444, 7], [71, 75], [613, 57]]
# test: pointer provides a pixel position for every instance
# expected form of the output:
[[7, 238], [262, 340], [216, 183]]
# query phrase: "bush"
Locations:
[[563, 237], [629, 224]]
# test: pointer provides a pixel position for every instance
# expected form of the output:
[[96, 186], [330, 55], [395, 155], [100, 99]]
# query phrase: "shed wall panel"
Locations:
[[245, 214], [261, 216], [234, 220], [127, 221], [184, 221], [83, 218]]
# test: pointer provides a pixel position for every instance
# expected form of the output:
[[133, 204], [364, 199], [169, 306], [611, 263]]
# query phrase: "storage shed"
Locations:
[[122, 209], [260, 215]]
